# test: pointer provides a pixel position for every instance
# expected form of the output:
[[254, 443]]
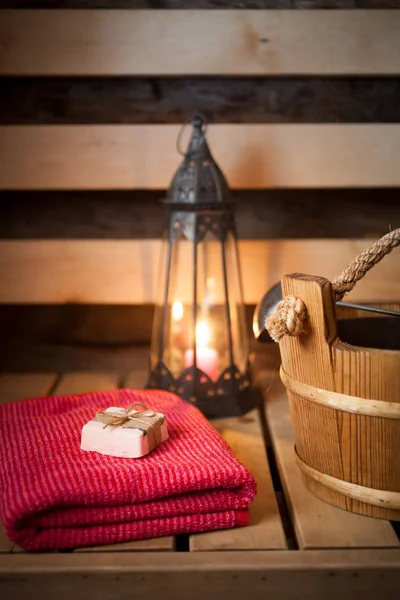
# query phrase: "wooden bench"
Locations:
[[303, 111], [294, 540]]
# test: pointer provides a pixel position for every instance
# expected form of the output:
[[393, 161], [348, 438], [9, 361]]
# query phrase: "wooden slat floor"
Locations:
[[316, 525], [286, 521]]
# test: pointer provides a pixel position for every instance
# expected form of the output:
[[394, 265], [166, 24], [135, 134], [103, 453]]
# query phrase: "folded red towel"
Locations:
[[54, 495]]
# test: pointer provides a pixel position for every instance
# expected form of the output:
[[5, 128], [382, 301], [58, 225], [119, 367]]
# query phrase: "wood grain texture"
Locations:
[[366, 574], [346, 402], [162, 544], [124, 100], [317, 524], [382, 499], [201, 4], [265, 531], [358, 449], [259, 214], [85, 382], [369, 444], [136, 379], [5, 543], [252, 156], [35, 354], [190, 43], [17, 386], [82, 325], [318, 371], [102, 328], [125, 272]]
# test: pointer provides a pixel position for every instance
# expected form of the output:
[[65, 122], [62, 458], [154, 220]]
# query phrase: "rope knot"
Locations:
[[123, 416], [288, 319]]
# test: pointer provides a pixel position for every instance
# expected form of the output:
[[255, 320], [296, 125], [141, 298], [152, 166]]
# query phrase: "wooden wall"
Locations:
[[304, 112]]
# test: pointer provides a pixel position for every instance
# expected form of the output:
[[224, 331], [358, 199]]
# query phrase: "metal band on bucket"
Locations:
[[381, 498], [351, 404]]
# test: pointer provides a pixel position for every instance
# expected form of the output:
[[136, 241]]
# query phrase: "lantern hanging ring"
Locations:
[[199, 119]]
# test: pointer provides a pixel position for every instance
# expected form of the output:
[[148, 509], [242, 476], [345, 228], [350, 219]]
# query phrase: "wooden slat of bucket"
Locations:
[[317, 437], [77, 383], [370, 445], [317, 524], [265, 532]]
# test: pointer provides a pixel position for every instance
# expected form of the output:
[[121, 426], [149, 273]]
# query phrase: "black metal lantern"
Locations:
[[200, 344]]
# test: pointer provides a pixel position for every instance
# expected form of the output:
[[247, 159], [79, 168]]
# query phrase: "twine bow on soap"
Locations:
[[291, 312], [117, 419]]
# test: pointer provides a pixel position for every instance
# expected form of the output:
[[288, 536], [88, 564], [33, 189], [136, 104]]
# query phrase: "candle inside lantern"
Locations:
[[206, 358], [177, 325], [177, 311]]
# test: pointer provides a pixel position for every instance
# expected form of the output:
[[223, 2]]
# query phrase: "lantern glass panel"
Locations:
[[162, 276], [212, 336], [240, 345], [215, 323], [173, 321]]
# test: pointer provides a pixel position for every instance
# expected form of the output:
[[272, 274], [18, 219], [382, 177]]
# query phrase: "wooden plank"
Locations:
[[287, 575], [252, 156], [86, 382], [123, 100], [114, 272], [198, 4], [16, 386], [68, 42], [367, 373], [259, 214], [47, 355], [79, 383], [162, 544], [85, 329], [317, 524], [137, 378], [5, 543], [265, 532]]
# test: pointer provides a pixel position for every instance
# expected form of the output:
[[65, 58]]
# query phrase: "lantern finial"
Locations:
[[198, 181]]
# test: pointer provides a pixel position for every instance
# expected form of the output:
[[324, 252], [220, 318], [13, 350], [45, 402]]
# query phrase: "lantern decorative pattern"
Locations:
[[199, 344]]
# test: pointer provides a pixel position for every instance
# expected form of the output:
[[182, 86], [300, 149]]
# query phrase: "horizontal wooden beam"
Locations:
[[140, 214], [362, 573], [123, 100], [173, 42], [252, 156], [126, 272], [198, 4], [116, 325]]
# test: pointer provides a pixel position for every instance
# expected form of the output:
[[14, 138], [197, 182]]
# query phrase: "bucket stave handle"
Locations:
[[291, 312]]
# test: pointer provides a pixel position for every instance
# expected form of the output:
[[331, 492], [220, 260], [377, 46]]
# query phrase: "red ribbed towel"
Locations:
[[56, 496]]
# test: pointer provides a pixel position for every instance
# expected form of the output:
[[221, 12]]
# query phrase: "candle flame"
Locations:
[[202, 334], [177, 311]]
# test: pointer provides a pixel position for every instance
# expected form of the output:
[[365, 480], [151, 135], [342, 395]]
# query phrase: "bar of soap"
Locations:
[[131, 440]]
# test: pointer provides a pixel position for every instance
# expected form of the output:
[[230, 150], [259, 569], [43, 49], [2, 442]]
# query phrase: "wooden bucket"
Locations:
[[345, 407]]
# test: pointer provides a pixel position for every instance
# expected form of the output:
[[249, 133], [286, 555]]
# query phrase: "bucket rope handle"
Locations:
[[291, 312]]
